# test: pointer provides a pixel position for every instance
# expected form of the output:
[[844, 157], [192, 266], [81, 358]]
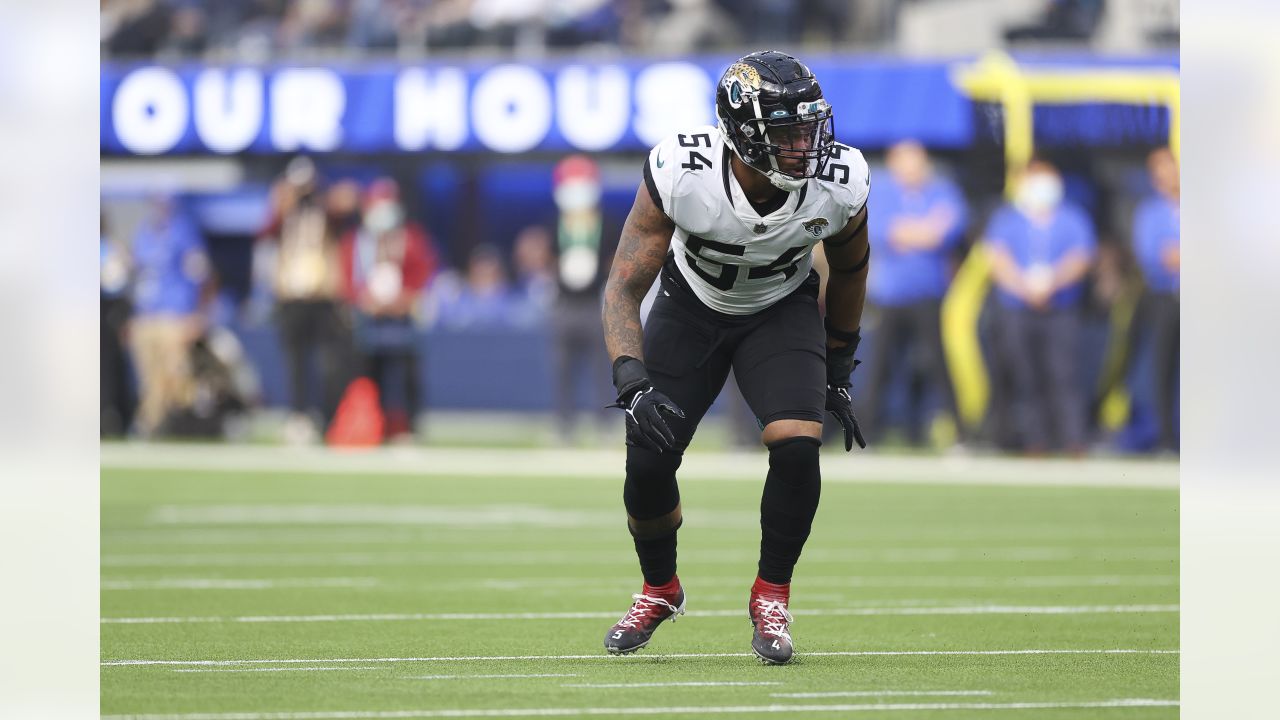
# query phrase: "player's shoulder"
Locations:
[[684, 161], [846, 179], [690, 150]]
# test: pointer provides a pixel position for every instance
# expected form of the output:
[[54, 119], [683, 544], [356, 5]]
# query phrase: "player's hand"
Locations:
[[646, 408], [841, 405], [840, 365], [647, 422]]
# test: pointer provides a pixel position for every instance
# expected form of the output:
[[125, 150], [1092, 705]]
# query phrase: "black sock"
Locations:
[[657, 558]]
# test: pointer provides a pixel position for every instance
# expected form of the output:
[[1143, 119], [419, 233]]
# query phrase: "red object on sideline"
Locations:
[[359, 421]]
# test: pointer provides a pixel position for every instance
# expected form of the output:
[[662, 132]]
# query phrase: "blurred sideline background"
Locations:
[[297, 194]]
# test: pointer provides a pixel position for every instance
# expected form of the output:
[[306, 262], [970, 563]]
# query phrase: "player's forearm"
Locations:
[[846, 294], [623, 334]]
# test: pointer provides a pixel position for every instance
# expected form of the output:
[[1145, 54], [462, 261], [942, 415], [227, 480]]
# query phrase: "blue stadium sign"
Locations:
[[505, 108]]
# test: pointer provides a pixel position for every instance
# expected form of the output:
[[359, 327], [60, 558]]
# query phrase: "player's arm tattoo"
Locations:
[[641, 252], [848, 257]]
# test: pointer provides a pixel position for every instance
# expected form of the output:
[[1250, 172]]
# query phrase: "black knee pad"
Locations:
[[794, 463], [650, 490]]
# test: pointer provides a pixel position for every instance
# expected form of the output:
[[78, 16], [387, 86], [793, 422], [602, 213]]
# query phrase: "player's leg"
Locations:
[[684, 363], [782, 372]]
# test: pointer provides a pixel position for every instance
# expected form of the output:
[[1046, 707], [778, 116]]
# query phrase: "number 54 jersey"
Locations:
[[736, 260]]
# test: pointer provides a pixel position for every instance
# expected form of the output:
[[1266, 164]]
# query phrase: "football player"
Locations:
[[728, 217]]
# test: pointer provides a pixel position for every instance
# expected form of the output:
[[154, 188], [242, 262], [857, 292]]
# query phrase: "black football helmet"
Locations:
[[773, 115]]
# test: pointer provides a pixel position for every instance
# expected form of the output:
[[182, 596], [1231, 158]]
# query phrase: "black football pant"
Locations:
[[778, 357]]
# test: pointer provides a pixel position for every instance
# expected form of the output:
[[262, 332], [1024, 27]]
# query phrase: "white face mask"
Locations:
[[577, 195], [1041, 192], [383, 217]]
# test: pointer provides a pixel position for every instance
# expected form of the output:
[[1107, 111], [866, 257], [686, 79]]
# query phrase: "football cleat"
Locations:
[[772, 639], [636, 627]]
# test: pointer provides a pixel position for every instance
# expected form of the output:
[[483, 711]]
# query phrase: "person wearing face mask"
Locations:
[[1157, 243], [387, 262], [583, 245], [1041, 248]]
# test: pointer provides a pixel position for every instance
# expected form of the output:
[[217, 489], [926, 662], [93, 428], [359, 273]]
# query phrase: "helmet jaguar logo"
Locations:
[[815, 226], [747, 74]]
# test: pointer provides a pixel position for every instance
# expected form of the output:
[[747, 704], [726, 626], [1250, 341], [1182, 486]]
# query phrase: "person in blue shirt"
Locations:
[[1157, 245], [919, 218], [170, 292], [1041, 249]]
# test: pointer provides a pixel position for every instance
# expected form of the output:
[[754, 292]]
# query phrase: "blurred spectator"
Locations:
[[169, 296], [484, 299], [1041, 249], [535, 268], [585, 243], [691, 26], [310, 24], [188, 34], [135, 27], [308, 285], [116, 400], [387, 263], [1062, 20], [1157, 241], [919, 217]]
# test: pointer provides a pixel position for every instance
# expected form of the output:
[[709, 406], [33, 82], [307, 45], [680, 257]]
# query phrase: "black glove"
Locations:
[[644, 406], [840, 365]]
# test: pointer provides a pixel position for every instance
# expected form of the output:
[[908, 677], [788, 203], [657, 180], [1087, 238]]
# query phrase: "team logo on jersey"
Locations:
[[760, 228], [816, 226]]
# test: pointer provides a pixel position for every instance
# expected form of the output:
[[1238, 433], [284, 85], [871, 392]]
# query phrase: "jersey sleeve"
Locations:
[[660, 175], [852, 179]]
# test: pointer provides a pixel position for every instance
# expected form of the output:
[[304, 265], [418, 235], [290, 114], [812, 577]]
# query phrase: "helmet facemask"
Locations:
[[787, 147]]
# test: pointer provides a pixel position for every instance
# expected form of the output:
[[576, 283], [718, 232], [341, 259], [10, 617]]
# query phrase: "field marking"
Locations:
[[488, 677], [683, 710], [708, 683], [627, 658], [896, 556], [883, 693], [608, 614], [852, 581], [612, 585], [373, 514], [239, 584], [608, 465], [274, 669]]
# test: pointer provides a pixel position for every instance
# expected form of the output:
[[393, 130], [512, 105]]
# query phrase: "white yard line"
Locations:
[[239, 584], [277, 669], [611, 658], [487, 677], [607, 614], [884, 693], [608, 465], [613, 584], [895, 556], [650, 710], [728, 683]]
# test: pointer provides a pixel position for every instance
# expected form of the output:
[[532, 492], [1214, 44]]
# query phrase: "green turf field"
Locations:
[[248, 594]]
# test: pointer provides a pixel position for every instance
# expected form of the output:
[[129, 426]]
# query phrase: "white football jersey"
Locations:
[[736, 261]]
